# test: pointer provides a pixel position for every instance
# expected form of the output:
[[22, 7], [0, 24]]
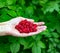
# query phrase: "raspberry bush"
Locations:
[[39, 10]]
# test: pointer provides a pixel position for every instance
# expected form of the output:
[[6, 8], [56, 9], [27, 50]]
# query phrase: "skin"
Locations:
[[8, 27]]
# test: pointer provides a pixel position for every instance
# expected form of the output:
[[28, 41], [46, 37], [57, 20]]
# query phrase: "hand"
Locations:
[[13, 22]]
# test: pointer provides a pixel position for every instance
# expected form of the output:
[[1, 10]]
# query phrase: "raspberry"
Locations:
[[26, 27]]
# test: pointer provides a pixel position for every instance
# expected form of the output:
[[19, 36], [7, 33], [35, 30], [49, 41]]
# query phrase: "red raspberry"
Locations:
[[26, 27]]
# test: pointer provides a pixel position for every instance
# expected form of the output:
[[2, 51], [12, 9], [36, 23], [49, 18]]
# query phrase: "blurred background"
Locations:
[[47, 11]]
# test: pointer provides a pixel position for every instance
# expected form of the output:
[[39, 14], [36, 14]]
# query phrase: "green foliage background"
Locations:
[[39, 10]]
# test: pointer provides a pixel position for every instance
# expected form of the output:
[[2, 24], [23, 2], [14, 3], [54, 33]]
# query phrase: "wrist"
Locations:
[[2, 29]]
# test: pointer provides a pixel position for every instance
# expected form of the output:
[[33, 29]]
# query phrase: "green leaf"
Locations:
[[35, 1], [4, 11], [56, 40], [12, 7], [4, 48], [4, 17], [37, 37], [12, 13], [19, 11], [58, 27], [14, 47], [46, 33], [29, 10], [42, 2], [21, 2], [51, 48], [55, 35], [58, 45], [36, 48], [12, 39], [27, 43], [2, 3], [41, 44], [35, 18], [50, 8], [10, 2], [22, 41]]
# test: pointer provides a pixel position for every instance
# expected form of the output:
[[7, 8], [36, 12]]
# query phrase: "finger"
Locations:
[[41, 27], [39, 23]]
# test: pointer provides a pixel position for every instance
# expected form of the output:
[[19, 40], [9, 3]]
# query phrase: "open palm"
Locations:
[[13, 22]]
